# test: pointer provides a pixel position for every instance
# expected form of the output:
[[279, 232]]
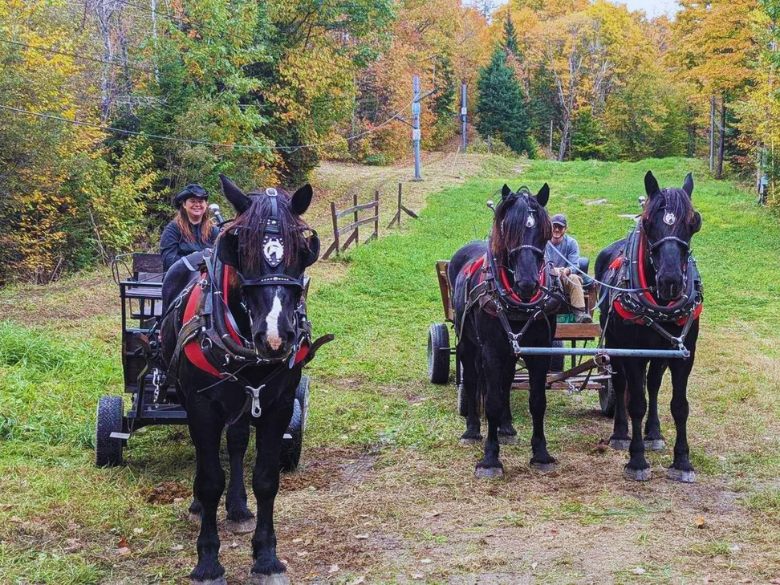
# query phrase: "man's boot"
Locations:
[[581, 315]]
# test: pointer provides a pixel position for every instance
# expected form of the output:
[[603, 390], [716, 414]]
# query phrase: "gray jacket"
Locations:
[[569, 248]]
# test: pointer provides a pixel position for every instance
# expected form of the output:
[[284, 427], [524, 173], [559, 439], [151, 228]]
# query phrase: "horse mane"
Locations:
[[509, 228], [251, 226], [675, 201]]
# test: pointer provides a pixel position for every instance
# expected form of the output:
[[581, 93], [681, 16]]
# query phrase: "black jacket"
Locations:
[[173, 245]]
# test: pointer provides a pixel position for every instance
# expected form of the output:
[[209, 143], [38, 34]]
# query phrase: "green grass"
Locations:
[[370, 395]]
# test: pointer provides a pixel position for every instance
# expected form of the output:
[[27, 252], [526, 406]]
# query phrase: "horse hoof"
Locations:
[[241, 526], [488, 472], [655, 444], [620, 444], [673, 474], [470, 441], [543, 467], [507, 439], [638, 474], [275, 579], [217, 581]]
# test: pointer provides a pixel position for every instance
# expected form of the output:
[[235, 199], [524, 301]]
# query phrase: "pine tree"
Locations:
[[587, 140], [501, 107], [543, 106], [510, 36]]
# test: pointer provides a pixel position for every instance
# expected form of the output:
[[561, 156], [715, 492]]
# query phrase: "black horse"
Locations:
[[503, 299], [235, 341], [655, 259]]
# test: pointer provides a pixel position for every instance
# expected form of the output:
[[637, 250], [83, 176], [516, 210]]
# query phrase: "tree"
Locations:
[[501, 106], [510, 36]]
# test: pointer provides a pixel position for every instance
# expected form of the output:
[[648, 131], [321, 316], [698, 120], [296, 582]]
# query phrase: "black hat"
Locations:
[[187, 192], [558, 219]]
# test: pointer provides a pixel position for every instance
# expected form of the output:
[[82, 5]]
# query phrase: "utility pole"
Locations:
[[416, 128], [463, 114]]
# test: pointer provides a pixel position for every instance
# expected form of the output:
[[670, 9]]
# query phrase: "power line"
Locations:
[[204, 142], [74, 55]]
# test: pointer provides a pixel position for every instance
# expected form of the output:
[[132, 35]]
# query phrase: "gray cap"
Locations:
[[559, 219]]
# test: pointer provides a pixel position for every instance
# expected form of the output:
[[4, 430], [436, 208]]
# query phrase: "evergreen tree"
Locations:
[[501, 107], [510, 36], [543, 106], [587, 140]]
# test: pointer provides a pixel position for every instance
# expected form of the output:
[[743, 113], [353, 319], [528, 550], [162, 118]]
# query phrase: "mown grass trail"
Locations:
[[385, 491]]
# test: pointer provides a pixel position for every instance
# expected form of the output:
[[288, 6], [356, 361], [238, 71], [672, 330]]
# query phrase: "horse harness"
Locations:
[[636, 305], [488, 289], [210, 338]]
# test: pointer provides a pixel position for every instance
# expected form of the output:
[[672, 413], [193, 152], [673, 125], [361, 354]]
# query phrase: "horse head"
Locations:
[[669, 222], [521, 230], [267, 246]]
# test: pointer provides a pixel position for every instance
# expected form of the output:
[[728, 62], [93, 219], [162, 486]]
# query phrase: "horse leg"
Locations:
[[654, 440], [239, 519], [681, 469], [507, 435], [637, 468], [206, 433], [267, 569], [493, 370], [620, 439], [471, 383], [538, 367]]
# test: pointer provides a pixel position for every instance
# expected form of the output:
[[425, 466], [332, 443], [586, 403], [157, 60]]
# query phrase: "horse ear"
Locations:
[[227, 249], [688, 185], [543, 196], [234, 195], [651, 185], [696, 223], [505, 191], [301, 199]]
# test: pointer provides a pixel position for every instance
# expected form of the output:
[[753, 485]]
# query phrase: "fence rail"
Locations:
[[353, 227]]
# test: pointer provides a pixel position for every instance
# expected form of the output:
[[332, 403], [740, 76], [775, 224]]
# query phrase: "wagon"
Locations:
[[576, 375], [151, 401]]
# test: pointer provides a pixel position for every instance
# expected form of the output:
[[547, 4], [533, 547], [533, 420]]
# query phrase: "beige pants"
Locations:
[[572, 286]]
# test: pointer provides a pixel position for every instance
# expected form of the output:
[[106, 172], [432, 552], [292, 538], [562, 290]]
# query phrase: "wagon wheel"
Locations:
[[108, 450], [292, 442], [557, 361], [438, 353], [607, 398]]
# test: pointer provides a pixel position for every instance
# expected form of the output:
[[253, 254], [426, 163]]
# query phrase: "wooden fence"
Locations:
[[401, 208], [353, 227]]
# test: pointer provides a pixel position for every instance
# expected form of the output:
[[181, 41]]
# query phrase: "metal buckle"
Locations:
[[255, 393]]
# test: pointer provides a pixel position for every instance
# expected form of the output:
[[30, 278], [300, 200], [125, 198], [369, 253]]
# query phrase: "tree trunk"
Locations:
[[712, 133], [564, 137], [722, 144]]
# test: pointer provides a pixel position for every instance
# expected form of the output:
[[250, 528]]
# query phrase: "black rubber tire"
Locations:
[[108, 451], [438, 353], [607, 399], [463, 403], [557, 361], [292, 446]]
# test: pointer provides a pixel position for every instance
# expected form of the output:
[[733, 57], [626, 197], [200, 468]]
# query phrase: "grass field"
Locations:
[[385, 492]]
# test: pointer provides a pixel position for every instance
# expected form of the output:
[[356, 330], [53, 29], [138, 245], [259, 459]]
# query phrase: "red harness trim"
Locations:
[[471, 269], [507, 286], [192, 350], [625, 313]]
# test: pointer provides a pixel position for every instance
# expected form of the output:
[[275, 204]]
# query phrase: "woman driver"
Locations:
[[190, 231]]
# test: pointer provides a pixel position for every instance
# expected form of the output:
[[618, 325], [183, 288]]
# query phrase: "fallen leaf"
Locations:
[[123, 551], [709, 580], [234, 545], [302, 553], [297, 540], [533, 565], [333, 569], [73, 544], [700, 522], [638, 571], [6, 507], [122, 543], [15, 520], [426, 561], [432, 514], [361, 536], [138, 530], [177, 547], [417, 576]]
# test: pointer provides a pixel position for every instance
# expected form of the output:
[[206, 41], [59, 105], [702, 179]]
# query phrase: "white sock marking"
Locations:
[[272, 323]]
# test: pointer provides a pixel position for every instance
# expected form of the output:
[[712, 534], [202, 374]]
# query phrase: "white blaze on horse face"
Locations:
[[669, 218], [272, 323], [530, 222]]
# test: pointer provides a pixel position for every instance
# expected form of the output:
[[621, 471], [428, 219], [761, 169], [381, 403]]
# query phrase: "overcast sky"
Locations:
[[651, 7]]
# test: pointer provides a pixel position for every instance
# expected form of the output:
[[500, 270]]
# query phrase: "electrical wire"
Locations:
[[74, 55]]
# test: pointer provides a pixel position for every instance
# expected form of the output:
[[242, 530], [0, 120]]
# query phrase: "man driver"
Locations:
[[569, 255]]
